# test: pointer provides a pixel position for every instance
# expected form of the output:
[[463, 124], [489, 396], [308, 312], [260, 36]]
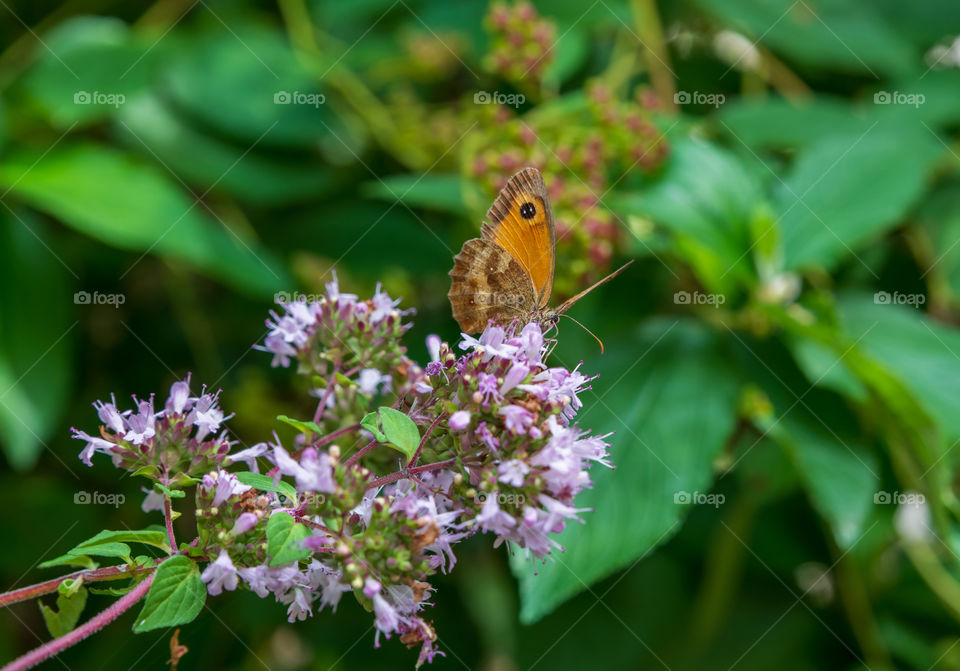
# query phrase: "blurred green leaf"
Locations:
[[706, 200], [153, 129], [671, 396], [128, 204], [35, 337], [777, 123], [245, 80], [844, 35], [840, 476], [922, 353], [265, 483], [845, 190], [89, 68], [443, 193]]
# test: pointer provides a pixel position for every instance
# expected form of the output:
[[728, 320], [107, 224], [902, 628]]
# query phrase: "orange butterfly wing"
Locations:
[[521, 222]]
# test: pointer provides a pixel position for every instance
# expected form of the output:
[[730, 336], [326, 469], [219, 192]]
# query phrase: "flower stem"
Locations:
[[90, 575], [91, 626], [407, 472], [168, 515], [426, 434], [359, 453]]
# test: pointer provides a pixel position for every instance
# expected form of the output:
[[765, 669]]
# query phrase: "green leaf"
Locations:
[[172, 493], [400, 430], [706, 200], [266, 484], [920, 352], [370, 422], [284, 536], [80, 561], [153, 537], [305, 428], [840, 476], [443, 193], [62, 620], [838, 35], [36, 336], [671, 396], [99, 191], [824, 213], [176, 596]]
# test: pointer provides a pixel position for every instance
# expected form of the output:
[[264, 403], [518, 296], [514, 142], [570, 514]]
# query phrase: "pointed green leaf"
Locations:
[[64, 619], [266, 484], [370, 423], [284, 536], [176, 596], [400, 431], [303, 427]]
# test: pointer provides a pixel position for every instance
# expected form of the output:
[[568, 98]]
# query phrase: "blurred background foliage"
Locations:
[[791, 165]]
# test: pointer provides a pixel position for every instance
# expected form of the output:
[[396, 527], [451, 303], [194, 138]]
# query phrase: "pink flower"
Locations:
[[517, 419], [459, 420], [220, 574]]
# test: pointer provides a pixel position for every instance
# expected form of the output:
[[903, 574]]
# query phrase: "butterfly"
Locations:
[[507, 273]]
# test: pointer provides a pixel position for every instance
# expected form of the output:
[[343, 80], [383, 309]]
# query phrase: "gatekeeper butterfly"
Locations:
[[507, 273]]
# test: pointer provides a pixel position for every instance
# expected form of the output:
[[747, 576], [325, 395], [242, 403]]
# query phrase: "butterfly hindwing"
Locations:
[[488, 283], [521, 223]]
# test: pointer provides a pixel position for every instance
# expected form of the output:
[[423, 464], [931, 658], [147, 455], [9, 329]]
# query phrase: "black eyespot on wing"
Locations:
[[528, 210]]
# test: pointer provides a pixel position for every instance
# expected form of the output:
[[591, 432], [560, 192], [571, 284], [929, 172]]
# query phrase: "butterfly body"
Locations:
[[507, 273]]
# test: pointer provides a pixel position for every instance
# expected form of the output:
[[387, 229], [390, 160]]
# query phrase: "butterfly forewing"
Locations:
[[521, 223], [487, 283]]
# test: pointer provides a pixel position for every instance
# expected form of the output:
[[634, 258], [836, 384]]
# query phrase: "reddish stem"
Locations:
[[88, 575], [359, 453], [407, 472], [433, 424], [168, 514], [329, 438], [322, 405], [91, 626]]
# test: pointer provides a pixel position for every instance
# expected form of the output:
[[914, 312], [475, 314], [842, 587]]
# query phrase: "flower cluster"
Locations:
[[184, 437], [522, 43], [363, 502]]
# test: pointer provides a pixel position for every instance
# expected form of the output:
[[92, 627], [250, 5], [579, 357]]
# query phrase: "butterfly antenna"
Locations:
[[585, 329]]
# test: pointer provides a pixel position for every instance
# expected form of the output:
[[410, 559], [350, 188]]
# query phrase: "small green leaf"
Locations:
[[81, 561], [64, 619], [266, 484], [112, 591], [176, 596], [371, 424], [305, 428], [172, 493], [400, 431], [70, 586], [284, 536], [108, 539]]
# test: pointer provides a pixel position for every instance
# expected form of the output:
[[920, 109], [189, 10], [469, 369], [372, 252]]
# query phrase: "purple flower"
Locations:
[[383, 305], [516, 418], [493, 519], [220, 574], [94, 445], [517, 373], [487, 386], [179, 399], [459, 420], [433, 347], [370, 380], [223, 485], [244, 523], [110, 416], [313, 472], [206, 416], [512, 472], [249, 456], [141, 425]]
